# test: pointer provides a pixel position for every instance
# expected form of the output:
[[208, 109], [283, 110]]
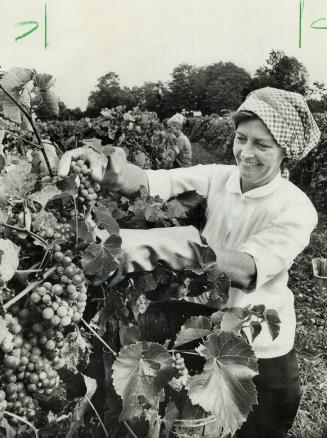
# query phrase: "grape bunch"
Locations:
[[61, 299], [24, 370], [88, 189], [60, 231], [180, 373], [179, 367]]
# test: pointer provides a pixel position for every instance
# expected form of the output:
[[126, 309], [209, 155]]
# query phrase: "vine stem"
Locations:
[[130, 430], [29, 118], [184, 351], [28, 271], [76, 221], [98, 416], [21, 138], [23, 421], [24, 230], [29, 288], [98, 337]]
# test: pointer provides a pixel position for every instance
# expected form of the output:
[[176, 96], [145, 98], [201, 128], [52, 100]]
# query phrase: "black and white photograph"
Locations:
[[163, 219]]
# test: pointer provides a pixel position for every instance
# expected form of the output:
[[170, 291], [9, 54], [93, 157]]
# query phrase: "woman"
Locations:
[[256, 221], [183, 146]]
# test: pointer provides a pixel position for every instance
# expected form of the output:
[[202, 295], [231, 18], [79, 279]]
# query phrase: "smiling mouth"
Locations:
[[247, 164]]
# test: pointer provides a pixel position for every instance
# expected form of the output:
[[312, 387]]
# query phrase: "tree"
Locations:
[[224, 87], [69, 114], [281, 71], [182, 87], [108, 94]]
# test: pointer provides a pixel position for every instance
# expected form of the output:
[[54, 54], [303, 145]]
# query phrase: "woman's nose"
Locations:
[[248, 149]]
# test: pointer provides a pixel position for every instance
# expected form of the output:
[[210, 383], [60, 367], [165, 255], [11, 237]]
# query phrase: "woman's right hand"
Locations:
[[108, 170]]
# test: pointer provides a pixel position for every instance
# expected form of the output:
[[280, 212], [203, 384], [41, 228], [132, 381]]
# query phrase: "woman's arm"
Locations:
[[144, 248], [239, 266]]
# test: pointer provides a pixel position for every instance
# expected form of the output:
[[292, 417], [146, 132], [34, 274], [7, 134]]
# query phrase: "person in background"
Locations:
[[256, 222], [183, 146]]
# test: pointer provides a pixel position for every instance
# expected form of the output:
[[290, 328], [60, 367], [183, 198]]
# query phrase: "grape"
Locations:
[[48, 313], [179, 365], [35, 297]]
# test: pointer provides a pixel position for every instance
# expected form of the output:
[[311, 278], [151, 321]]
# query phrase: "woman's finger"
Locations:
[[64, 164]]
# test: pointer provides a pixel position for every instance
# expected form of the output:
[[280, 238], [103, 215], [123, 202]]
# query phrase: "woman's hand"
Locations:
[[109, 171]]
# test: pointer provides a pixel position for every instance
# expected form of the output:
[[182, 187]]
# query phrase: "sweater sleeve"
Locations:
[[173, 182]]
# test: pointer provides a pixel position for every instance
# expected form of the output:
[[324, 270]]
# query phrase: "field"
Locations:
[[311, 307]]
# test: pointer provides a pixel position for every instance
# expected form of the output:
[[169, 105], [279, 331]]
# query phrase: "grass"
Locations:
[[311, 310]]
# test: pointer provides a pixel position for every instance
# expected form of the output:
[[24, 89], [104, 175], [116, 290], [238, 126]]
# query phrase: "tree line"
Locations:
[[216, 88]]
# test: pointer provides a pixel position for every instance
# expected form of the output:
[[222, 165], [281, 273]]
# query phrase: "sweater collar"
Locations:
[[233, 185]]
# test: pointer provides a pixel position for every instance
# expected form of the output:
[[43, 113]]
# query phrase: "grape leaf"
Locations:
[[14, 81], [99, 259], [146, 282], [93, 143], [18, 180], [206, 259], [105, 219], [49, 98], [44, 195], [231, 321], [255, 328], [175, 209], [76, 350], [5, 335], [225, 386], [9, 263], [68, 185], [258, 309], [80, 409], [84, 230], [194, 328], [9, 431], [141, 370], [44, 219], [273, 322], [129, 335]]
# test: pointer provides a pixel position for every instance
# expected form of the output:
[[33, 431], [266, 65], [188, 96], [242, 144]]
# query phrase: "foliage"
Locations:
[[215, 133], [108, 94], [141, 134], [281, 71]]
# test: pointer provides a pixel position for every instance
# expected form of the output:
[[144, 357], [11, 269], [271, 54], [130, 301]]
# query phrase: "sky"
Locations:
[[143, 40]]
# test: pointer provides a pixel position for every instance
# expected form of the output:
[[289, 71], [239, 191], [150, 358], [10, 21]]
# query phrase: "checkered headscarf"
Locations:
[[288, 118]]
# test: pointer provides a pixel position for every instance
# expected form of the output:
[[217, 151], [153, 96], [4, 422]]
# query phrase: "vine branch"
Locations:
[[130, 430], [9, 414], [98, 416], [98, 337], [24, 230], [29, 288]]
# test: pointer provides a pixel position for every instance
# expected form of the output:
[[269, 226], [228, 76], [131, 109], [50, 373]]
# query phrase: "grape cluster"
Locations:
[[61, 299], [24, 370], [60, 231], [88, 189], [180, 373], [179, 367]]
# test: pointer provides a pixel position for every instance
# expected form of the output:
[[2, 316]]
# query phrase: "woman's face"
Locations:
[[257, 155], [174, 128]]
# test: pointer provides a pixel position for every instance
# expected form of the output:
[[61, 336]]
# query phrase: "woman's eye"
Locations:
[[241, 140], [263, 146]]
